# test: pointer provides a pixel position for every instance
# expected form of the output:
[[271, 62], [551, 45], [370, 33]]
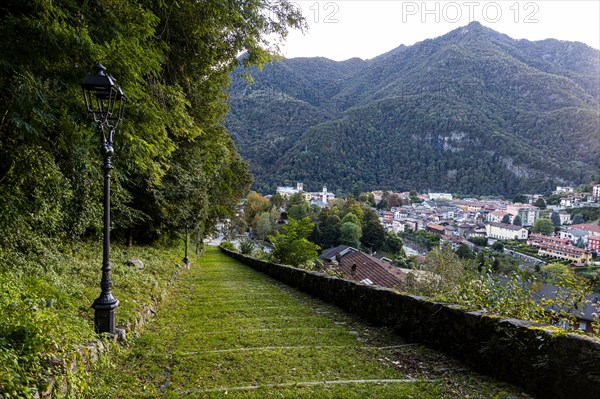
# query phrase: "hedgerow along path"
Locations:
[[227, 331]]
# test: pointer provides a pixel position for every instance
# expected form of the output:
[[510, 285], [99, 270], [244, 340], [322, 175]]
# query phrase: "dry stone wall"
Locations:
[[542, 359]]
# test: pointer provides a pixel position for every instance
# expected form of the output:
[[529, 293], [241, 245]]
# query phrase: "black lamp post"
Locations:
[[104, 101], [186, 260]]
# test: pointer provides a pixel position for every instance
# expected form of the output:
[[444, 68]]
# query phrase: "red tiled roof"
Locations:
[[359, 266], [436, 227], [587, 227], [506, 226]]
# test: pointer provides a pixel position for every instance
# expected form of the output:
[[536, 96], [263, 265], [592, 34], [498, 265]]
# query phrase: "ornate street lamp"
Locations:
[[104, 101]]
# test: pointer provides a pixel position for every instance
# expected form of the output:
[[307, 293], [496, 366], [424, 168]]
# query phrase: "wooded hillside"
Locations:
[[472, 111]]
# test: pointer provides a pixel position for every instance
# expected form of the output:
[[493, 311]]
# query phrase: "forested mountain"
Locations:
[[472, 111]]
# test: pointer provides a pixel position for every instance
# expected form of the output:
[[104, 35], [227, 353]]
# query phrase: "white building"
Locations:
[[596, 190], [565, 218], [563, 189], [321, 196], [496, 216], [440, 196], [574, 235], [527, 213], [503, 231], [288, 191]]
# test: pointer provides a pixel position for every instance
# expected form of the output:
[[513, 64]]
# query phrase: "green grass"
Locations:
[[228, 331], [45, 304]]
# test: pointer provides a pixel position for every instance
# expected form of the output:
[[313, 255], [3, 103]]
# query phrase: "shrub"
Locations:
[[228, 245], [247, 245]]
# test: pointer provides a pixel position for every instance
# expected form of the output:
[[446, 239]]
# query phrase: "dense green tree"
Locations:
[[506, 219], [479, 241], [543, 226], [292, 247], [328, 228], [555, 218], [350, 234], [383, 204], [405, 262], [584, 188], [254, 206], [263, 225], [350, 205], [496, 264], [277, 201], [540, 203], [552, 271], [520, 199], [517, 221], [174, 161], [367, 198], [352, 218], [577, 219], [480, 261], [589, 213], [394, 244], [295, 199], [554, 199], [498, 246], [464, 252], [414, 197], [299, 211], [421, 237], [247, 245], [373, 233]]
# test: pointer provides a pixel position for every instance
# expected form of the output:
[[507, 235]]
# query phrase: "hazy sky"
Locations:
[[343, 29]]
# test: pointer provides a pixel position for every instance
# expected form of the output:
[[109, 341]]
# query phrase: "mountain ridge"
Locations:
[[479, 112]]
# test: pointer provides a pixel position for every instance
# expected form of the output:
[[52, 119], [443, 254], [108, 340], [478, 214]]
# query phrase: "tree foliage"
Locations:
[[174, 161], [373, 233], [543, 226], [540, 203], [577, 219], [555, 218], [292, 247], [589, 214], [488, 118], [394, 245], [350, 234]]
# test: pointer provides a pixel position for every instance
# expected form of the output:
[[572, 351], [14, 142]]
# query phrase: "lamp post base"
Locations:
[[105, 316]]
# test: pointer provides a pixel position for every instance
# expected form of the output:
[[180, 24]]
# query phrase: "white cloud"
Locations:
[[342, 29]]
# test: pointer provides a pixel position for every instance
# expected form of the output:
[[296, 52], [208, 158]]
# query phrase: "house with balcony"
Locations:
[[560, 248], [527, 213]]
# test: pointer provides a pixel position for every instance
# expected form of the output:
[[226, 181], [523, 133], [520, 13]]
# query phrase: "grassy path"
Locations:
[[228, 331]]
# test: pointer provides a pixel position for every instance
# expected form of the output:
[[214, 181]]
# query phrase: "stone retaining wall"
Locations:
[[542, 359]]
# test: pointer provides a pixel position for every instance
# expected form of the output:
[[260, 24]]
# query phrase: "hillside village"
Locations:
[[458, 221], [530, 232]]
